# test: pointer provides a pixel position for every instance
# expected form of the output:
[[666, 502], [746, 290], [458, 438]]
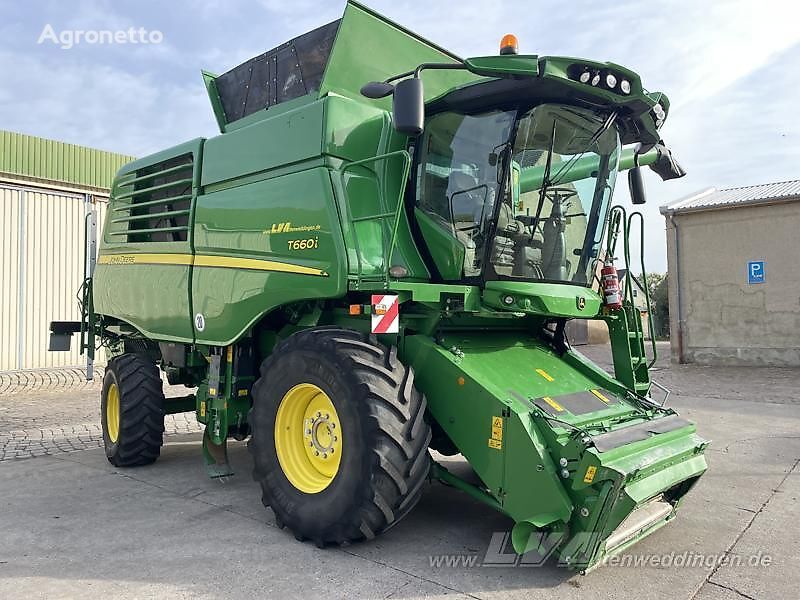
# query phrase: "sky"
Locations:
[[730, 68]]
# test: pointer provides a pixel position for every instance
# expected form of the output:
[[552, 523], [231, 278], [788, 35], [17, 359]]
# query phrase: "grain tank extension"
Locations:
[[378, 256]]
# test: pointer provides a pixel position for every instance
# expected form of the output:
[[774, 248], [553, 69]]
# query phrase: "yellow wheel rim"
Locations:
[[112, 413], [308, 438]]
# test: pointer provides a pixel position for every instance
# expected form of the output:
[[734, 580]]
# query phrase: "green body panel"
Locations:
[[213, 96], [249, 189], [243, 222], [545, 299], [369, 47], [127, 294], [154, 298], [286, 137], [509, 64], [447, 252], [363, 134]]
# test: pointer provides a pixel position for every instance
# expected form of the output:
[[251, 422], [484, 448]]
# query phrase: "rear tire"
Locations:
[[383, 462], [132, 411]]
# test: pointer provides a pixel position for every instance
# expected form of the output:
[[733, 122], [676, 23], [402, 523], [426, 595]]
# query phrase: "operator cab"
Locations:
[[504, 193]]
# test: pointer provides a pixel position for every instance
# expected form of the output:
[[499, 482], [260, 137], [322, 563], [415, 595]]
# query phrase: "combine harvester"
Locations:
[[360, 268]]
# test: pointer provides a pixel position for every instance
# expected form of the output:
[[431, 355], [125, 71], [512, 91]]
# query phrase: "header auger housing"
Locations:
[[352, 273]]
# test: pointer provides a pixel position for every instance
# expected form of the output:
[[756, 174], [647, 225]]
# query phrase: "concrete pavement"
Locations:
[[74, 526]]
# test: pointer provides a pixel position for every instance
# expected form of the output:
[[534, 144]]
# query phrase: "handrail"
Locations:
[[82, 301], [618, 216], [644, 285], [629, 297], [398, 211], [615, 214], [85, 298]]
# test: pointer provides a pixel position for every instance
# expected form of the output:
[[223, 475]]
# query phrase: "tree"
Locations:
[[658, 287]]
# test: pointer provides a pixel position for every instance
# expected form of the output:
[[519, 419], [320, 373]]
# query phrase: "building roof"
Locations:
[[51, 161], [712, 198]]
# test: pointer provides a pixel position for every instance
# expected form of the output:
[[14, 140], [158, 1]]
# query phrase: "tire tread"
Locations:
[[141, 411], [395, 410]]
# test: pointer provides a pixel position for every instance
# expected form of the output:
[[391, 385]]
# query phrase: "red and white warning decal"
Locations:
[[385, 314]]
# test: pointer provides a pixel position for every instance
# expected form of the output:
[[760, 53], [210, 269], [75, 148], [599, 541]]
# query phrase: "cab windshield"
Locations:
[[524, 195]]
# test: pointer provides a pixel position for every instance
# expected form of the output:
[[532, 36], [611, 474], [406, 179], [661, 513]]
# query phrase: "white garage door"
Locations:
[[41, 265]]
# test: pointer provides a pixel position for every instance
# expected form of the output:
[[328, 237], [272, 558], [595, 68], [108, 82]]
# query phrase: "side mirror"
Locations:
[[666, 166], [636, 186], [408, 107]]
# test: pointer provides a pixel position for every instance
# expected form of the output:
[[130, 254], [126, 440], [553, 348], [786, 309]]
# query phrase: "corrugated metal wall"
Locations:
[[9, 273], [58, 162], [42, 268]]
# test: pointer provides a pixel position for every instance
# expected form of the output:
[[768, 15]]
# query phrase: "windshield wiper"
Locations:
[[592, 141], [545, 180]]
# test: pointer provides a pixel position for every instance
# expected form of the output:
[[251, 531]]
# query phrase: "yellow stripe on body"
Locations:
[[553, 403], [145, 259], [205, 260], [601, 396], [545, 374], [229, 262]]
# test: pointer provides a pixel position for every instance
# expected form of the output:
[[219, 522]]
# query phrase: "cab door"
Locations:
[[458, 179]]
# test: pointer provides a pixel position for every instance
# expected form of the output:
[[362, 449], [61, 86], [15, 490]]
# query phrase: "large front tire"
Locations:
[[132, 411], [339, 439]]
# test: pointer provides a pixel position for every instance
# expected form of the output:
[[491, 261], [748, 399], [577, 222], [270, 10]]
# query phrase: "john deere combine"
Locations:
[[361, 268]]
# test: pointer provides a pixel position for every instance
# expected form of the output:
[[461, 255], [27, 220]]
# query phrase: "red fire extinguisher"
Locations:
[[610, 281]]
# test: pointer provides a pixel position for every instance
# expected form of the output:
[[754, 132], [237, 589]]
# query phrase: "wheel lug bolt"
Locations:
[[310, 444], [316, 452], [335, 438], [324, 455], [319, 414], [327, 416], [333, 425]]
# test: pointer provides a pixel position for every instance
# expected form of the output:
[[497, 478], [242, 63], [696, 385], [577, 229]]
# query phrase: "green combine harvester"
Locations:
[[361, 268]]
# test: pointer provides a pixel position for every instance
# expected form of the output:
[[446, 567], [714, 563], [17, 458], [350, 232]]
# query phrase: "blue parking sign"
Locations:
[[755, 271]]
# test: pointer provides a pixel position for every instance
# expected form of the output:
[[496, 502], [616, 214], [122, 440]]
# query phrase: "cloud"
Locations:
[[103, 107], [730, 68]]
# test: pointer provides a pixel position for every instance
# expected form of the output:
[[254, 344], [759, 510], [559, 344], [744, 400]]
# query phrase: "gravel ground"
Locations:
[[50, 412]]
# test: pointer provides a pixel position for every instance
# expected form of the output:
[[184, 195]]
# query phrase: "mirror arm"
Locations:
[[430, 66], [636, 153]]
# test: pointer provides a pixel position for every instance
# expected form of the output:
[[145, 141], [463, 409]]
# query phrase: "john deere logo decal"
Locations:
[[581, 301]]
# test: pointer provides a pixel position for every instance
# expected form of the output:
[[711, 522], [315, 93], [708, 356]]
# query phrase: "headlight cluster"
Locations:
[[659, 115], [600, 78]]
